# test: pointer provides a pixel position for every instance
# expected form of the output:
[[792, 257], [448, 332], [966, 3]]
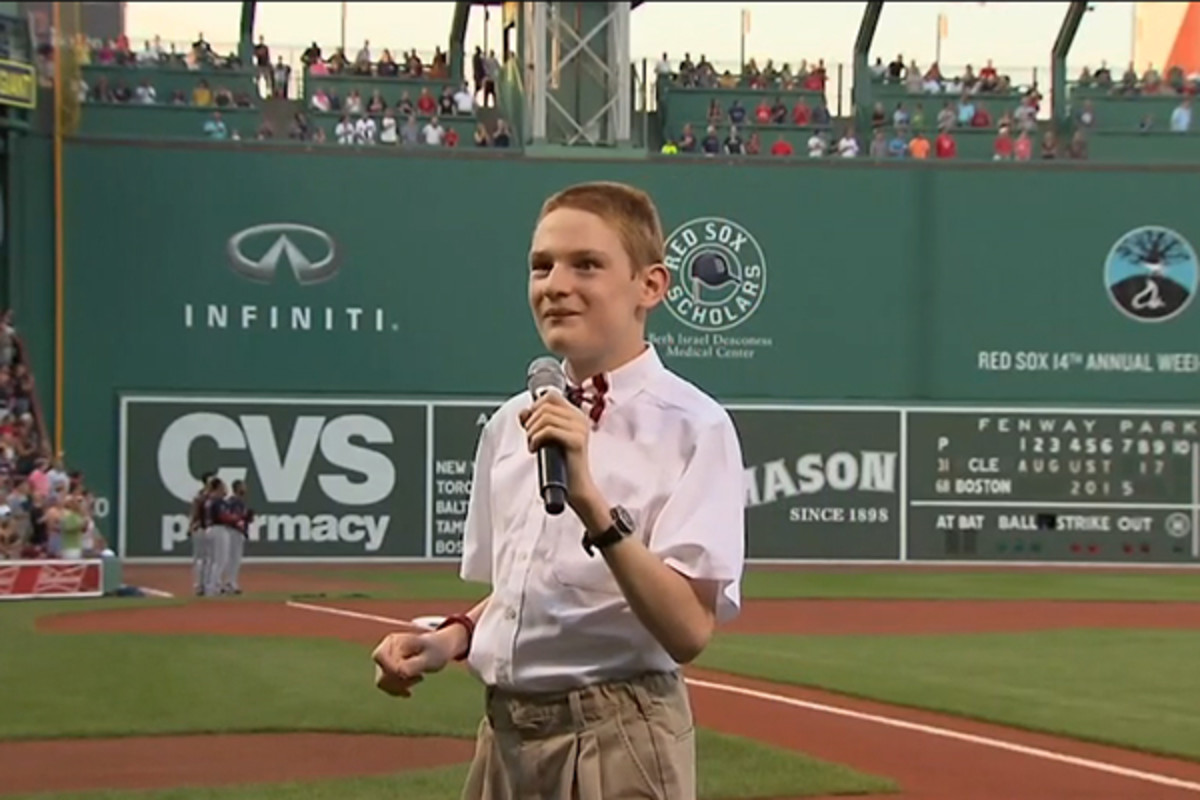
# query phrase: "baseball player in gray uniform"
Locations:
[[199, 537], [236, 521]]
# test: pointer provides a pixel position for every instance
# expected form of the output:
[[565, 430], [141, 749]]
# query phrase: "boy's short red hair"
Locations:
[[629, 210]]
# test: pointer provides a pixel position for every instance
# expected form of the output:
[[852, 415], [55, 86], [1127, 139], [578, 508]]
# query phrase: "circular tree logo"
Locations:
[[719, 274], [1150, 274]]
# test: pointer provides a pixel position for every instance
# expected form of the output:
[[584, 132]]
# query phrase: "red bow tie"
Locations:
[[590, 398]]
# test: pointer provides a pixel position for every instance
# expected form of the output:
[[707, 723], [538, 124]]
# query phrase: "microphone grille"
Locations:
[[545, 373]]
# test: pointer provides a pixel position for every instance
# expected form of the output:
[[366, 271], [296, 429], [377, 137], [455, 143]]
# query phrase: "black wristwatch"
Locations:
[[622, 526]]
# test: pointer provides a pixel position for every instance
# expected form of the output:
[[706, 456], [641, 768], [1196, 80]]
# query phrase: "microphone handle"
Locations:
[[552, 477]]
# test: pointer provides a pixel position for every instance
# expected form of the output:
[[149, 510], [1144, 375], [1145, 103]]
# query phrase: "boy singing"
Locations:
[[592, 611]]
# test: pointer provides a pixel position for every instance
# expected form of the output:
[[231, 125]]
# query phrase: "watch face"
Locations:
[[622, 519]]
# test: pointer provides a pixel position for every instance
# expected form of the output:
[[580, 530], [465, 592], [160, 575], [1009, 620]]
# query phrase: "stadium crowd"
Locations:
[[974, 102], [375, 119], [46, 511]]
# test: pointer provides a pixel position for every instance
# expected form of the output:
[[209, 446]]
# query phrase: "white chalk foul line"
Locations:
[[891, 722], [945, 733]]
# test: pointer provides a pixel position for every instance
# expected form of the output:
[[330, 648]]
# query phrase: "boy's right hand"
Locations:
[[403, 659]]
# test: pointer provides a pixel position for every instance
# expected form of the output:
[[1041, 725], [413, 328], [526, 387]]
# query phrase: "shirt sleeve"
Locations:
[[477, 531], [701, 530]]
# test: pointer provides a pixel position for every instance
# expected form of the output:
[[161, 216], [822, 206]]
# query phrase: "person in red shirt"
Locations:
[[763, 112], [1002, 148], [426, 105], [451, 139], [801, 113], [782, 147], [981, 119], [945, 146]]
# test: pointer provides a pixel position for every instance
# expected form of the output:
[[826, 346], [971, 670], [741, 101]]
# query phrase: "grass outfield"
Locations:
[[152, 684], [1130, 688], [896, 585]]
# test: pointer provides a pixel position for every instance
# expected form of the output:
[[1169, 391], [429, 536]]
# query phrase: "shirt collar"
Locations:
[[627, 380]]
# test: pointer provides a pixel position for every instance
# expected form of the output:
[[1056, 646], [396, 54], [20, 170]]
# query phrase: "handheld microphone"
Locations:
[[546, 375]]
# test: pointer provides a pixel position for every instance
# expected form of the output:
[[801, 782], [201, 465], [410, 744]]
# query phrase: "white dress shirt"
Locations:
[[665, 451]]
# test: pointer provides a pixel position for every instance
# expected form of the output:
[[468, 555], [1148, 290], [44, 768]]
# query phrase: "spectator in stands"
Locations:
[[354, 102], [265, 131], [820, 114], [897, 145], [932, 80], [362, 61], [1129, 81], [365, 130], [281, 79], [981, 118], [1002, 147], [262, 63], [801, 113], [879, 145], [202, 51], [737, 113], [1151, 80], [1146, 124], [178, 98], [847, 145], [753, 144], [433, 132], [966, 111], [446, 102], [410, 134], [426, 105], [734, 145], [320, 101], [214, 127], [479, 73], [344, 130], [1023, 149], [817, 145], [1077, 149], [711, 143], [202, 95], [405, 104], [715, 114], [944, 145], [451, 138], [387, 67], [1049, 145], [762, 112], [896, 71], [121, 92], [464, 101], [1181, 117], [388, 133], [482, 139], [947, 117], [101, 93], [779, 111], [145, 93], [687, 139], [782, 147], [376, 104], [492, 68]]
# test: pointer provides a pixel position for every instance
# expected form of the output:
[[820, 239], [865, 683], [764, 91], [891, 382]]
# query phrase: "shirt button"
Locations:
[[510, 613]]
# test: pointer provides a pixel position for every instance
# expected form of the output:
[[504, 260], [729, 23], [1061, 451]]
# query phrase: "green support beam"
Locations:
[[458, 39], [1060, 103], [246, 34], [861, 94]]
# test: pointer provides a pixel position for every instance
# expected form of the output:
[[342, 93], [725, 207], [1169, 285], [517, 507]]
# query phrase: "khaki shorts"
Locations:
[[612, 741]]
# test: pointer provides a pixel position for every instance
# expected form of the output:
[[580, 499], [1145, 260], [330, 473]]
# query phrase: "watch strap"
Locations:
[[604, 540]]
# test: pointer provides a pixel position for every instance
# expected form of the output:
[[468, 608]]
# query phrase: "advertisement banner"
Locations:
[[23, 580]]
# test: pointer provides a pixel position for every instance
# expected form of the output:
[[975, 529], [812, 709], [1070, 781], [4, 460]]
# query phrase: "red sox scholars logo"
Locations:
[[718, 271]]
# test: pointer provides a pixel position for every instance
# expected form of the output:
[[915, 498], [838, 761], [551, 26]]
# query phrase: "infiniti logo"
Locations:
[[310, 251]]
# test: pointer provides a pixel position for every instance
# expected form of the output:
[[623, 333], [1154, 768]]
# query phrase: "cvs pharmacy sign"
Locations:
[[327, 478]]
